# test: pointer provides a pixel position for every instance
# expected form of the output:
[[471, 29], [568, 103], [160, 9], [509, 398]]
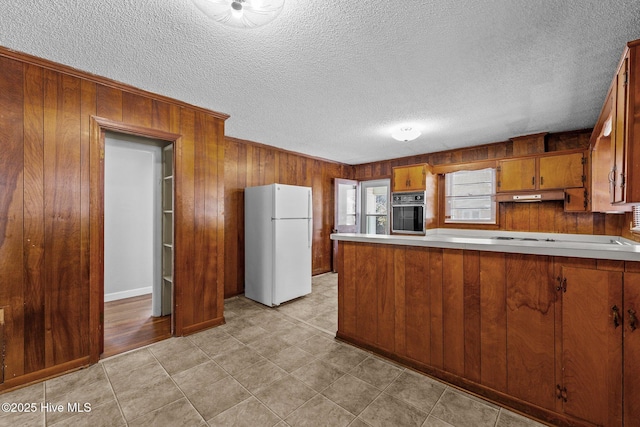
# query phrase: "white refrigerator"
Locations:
[[278, 233]]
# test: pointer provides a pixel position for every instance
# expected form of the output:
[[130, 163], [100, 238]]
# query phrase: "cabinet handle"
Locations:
[[633, 320], [533, 180], [542, 180], [616, 316], [561, 393], [568, 199]]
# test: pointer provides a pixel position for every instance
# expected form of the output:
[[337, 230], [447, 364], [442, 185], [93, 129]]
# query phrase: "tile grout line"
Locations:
[[115, 396], [233, 377]]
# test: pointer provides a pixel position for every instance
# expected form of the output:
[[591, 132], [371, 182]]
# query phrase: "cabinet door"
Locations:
[[618, 134], [631, 350], [575, 200], [517, 174], [409, 178], [591, 382], [531, 299], [417, 176], [562, 171]]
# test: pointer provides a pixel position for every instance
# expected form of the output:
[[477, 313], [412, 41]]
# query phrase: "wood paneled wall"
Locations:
[[48, 268], [249, 164], [536, 217]]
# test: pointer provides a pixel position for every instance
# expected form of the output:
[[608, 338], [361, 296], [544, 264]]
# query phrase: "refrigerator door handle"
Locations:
[[309, 224]]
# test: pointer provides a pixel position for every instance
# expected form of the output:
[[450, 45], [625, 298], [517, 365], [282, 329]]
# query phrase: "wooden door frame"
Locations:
[[98, 128], [336, 185]]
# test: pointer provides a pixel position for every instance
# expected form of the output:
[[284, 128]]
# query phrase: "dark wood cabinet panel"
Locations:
[[66, 321], [619, 132], [34, 279], [453, 310], [385, 316], [11, 218], [367, 288], [591, 381], [520, 338], [417, 305], [631, 355], [493, 321], [472, 316], [531, 329]]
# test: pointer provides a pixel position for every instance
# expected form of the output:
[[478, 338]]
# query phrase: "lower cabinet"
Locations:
[[530, 329], [552, 337], [631, 353], [590, 381]]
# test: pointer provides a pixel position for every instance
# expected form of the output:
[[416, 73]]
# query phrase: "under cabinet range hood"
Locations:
[[530, 196]]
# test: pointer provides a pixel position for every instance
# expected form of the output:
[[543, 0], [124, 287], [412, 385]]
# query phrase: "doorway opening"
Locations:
[[360, 207], [138, 241], [375, 206]]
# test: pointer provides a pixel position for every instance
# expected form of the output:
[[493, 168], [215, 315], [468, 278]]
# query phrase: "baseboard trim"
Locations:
[[114, 296]]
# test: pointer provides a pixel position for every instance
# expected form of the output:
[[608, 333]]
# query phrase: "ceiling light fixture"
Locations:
[[241, 13], [405, 134]]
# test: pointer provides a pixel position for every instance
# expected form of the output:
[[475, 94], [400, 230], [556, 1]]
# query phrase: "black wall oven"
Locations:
[[407, 213]]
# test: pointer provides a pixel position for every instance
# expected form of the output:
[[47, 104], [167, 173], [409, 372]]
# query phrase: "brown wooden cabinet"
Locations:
[[619, 132], [517, 174], [602, 185], [590, 380], [409, 178], [625, 132], [530, 329], [533, 332], [544, 172], [622, 111], [631, 345]]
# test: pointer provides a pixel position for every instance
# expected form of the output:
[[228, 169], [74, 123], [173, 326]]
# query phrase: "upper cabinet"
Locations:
[[619, 132], [615, 142], [409, 178], [516, 174], [542, 172]]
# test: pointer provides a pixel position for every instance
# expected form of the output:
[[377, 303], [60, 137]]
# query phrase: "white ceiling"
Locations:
[[332, 78]]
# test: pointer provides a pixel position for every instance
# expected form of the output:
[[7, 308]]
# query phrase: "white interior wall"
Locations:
[[131, 216]]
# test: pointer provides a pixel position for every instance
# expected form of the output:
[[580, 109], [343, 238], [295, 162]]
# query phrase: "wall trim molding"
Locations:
[[114, 296]]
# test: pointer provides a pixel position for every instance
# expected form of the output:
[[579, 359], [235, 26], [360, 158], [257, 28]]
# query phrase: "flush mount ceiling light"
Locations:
[[241, 13], [405, 134]]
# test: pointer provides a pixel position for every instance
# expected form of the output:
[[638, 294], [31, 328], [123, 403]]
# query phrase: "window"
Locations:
[[635, 227], [375, 206], [470, 196]]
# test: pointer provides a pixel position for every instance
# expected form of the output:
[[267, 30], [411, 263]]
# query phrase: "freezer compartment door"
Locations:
[[292, 253], [292, 201]]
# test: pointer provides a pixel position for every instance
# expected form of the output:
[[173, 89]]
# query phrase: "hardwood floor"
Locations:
[[128, 324]]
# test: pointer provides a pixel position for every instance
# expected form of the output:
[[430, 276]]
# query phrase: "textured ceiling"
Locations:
[[332, 78]]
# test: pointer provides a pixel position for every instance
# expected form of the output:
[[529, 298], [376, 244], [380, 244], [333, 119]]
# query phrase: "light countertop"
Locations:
[[553, 244]]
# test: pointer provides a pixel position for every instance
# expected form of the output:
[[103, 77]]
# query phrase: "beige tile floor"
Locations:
[[265, 367]]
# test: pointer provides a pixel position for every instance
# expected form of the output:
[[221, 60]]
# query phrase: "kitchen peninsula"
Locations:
[[541, 322]]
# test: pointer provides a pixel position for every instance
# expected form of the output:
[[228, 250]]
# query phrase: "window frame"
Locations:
[[443, 169], [363, 185]]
